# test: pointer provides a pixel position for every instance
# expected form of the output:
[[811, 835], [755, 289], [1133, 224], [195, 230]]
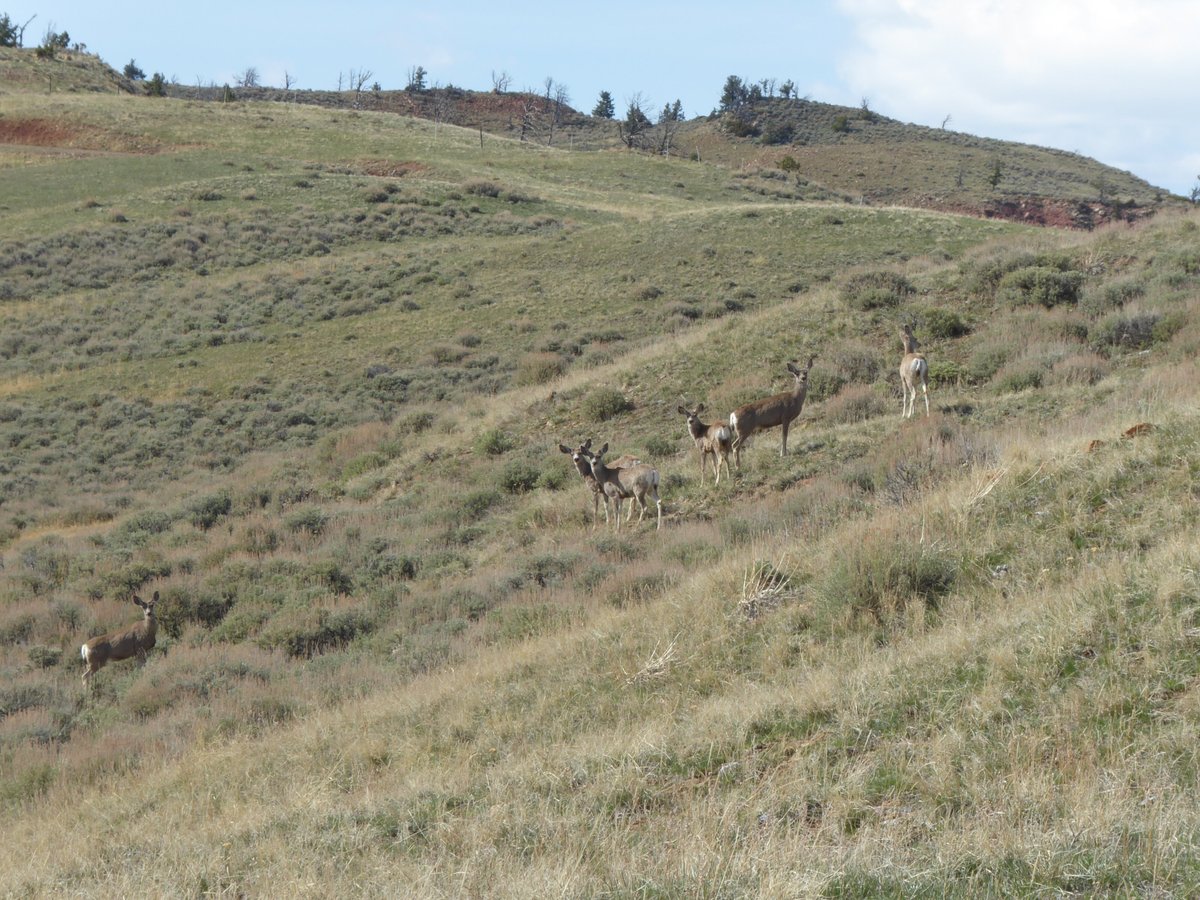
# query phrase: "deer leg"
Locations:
[[783, 446], [925, 394]]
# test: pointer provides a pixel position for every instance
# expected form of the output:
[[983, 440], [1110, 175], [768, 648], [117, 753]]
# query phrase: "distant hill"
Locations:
[[817, 150]]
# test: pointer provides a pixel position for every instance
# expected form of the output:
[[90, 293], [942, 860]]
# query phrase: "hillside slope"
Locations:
[[304, 372]]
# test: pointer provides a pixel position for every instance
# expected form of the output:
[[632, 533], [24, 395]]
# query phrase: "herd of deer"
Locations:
[[628, 478], [613, 482]]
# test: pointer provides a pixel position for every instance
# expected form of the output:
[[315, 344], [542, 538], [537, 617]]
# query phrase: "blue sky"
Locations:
[[1112, 79]]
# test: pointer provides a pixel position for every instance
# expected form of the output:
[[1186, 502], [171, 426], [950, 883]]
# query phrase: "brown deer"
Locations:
[[711, 440], [123, 643], [622, 484], [579, 456], [914, 369], [779, 409]]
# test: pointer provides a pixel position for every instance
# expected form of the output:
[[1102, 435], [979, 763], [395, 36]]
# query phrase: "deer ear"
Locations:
[[700, 409], [138, 600], [602, 450], [564, 448], [682, 411], [154, 599]]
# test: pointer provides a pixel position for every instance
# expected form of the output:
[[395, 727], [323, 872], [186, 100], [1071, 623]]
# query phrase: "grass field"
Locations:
[[304, 372]]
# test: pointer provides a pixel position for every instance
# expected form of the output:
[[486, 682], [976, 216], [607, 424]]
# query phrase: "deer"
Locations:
[[622, 484], [913, 369], [711, 440], [779, 409], [122, 643], [580, 457]]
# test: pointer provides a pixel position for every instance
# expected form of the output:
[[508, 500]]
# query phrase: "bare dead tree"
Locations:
[[357, 80], [442, 106], [247, 78], [289, 81], [500, 82]]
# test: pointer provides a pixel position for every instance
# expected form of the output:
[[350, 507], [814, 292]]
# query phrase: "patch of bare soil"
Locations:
[[64, 136], [1044, 211]]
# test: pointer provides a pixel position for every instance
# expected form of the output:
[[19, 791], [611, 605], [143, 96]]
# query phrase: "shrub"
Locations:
[[1020, 376], [204, 512], [1042, 285], [539, 368], [311, 520], [482, 188], [493, 442], [519, 477], [855, 404], [876, 290], [1133, 333], [603, 404], [943, 323], [881, 573]]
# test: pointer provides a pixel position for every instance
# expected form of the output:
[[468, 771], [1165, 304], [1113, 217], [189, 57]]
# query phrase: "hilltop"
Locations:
[[815, 150], [303, 371]]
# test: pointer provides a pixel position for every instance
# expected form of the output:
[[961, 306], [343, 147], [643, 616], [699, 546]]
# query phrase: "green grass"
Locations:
[[318, 409]]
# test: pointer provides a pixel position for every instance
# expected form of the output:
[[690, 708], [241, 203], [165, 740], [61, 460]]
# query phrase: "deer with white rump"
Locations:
[[713, 440], [779, 409], [581, 459], [914, 370], [632, 483], [123, 643]]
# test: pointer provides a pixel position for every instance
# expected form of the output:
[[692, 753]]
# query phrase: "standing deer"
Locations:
[[779, 409], [622, 484], [122, 644], [913, 368], [711, 440], [580, 457]]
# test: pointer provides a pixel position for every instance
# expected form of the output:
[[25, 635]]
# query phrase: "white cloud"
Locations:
[[1112, 79]]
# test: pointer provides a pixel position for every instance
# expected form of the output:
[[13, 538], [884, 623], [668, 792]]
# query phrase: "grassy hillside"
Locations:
[[304, 371]]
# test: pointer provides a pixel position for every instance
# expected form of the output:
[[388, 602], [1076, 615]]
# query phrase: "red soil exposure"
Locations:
[[36, 133], [70, 137]]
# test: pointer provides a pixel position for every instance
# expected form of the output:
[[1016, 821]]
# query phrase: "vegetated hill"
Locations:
[[815, 150], [304, 372]]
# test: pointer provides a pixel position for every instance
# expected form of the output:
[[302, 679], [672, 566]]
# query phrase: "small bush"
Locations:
[[879, 575], [1041, 285], [876, 290], [1020, 376], [942, 323], [855, 404], [482, 188], [311, 520], [519, 477], [603, 404], [204, 512], [493, 442], [539, 368], [1125, 333]]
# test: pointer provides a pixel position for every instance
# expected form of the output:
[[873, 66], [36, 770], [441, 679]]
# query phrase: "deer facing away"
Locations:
[[712, 440], [779, 409], [914, 370], [622, 484], [122, 643], [580, 457]]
